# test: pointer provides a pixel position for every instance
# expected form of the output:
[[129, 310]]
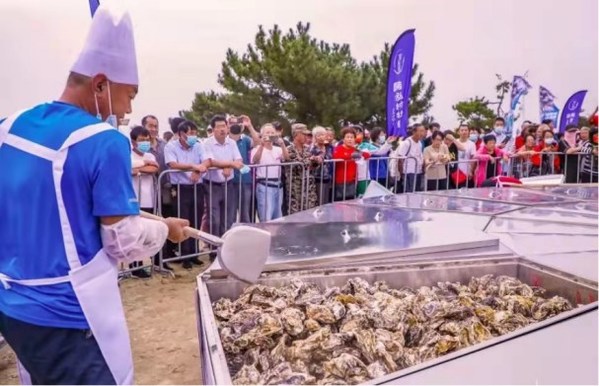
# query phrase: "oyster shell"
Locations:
[[300, 334]]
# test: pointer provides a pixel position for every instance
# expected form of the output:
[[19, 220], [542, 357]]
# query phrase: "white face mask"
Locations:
[[111, 119], [382, 139]]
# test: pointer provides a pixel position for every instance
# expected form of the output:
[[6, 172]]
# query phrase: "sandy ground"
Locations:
[[162, 322]]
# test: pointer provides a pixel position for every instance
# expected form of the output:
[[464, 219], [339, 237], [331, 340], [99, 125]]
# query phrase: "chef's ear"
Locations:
[[99, 83]]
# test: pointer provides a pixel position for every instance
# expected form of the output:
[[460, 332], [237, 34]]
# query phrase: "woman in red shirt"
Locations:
[[346, 170]]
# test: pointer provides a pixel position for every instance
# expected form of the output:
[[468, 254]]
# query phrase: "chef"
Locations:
[[68, 217]]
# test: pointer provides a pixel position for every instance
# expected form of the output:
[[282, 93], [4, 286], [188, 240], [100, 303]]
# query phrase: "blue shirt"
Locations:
[[175, 152], [244, 144], [96, 183]]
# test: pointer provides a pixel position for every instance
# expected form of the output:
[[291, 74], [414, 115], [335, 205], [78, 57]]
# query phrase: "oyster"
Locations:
[[300, 334], [293, 321], [320, 313]]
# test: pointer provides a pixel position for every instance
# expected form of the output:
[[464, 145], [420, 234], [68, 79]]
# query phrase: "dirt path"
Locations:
[[162, 322]]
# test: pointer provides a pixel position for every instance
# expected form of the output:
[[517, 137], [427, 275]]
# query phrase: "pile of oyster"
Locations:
[[302, 334]]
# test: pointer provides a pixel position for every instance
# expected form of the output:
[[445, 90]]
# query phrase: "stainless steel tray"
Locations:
[[414, 274]]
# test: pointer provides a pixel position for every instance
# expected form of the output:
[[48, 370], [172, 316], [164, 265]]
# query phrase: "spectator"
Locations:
[[589, 163], [489, 165], [379, 149], [281, 133], [436, 157], [301, 181], [286, 169], [209, 132], [221, 196], [174, 123], [523, 161], [537, 130], [157, 144], [394, 172], [361, 164], [322, 173], [547, 161], [521, 138], [167, 208], [191, 159], [242, 183], [144, 169], [346, 169], [549, 123], [475, 137], [330, 136], [269, 190], [464, 174], [412, 166], [448, 140], [568, 147], [500, 133], [432, 128], [167, 136]]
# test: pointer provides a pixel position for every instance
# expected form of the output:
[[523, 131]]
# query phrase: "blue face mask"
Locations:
[[499, 129], [474, 137], [143, 146], [111, 119], [192, 140]]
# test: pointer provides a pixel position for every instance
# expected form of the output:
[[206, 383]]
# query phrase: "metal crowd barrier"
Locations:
[[298, 186]]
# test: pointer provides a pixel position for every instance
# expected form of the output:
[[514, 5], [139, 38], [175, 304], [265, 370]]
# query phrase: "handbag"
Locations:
[[459, 177]]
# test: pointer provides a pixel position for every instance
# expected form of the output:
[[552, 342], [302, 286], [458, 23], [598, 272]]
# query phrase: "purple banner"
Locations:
[[399, 83], [548, 108], [93, 5], [571, 110]]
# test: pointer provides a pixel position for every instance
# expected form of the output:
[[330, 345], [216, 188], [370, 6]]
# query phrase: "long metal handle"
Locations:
[[189, 231]]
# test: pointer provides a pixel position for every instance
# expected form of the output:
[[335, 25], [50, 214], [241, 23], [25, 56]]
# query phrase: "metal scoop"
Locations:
[[242, 252]]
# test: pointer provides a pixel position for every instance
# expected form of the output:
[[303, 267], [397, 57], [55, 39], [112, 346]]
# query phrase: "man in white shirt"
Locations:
[[221, 196], [412, 166], [466, 152], [269, 188], [144, 170]]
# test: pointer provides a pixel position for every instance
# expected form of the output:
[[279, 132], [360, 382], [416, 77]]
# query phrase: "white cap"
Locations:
[[109, 48]]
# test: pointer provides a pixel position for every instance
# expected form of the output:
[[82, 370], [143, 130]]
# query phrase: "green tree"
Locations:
[[475, 112], [295, 77]]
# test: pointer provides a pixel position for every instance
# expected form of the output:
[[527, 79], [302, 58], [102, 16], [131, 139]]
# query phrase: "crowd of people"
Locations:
[[232, 172]]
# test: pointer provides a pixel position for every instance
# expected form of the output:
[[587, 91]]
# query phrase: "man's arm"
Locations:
[[257, 154], [253, 133]]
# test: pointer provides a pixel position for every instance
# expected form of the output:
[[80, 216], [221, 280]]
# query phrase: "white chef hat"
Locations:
[[109, 48]]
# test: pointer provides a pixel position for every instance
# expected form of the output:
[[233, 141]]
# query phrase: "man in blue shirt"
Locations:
[[70, 215], [189, 156], [243, 183]]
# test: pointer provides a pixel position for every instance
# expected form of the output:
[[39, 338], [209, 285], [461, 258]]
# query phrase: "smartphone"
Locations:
[[273, 138]]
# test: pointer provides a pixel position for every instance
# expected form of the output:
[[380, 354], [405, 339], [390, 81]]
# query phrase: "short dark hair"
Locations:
[[217, 118], [477, 129], [500, 119], [433, 125], [144, 120], [348, 130], [547, 121], [186, 126], [488, 138], [437, 134], [417, 125], [463, 124], [174, 122], [277, 125], [527, 121], [138, 131]]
